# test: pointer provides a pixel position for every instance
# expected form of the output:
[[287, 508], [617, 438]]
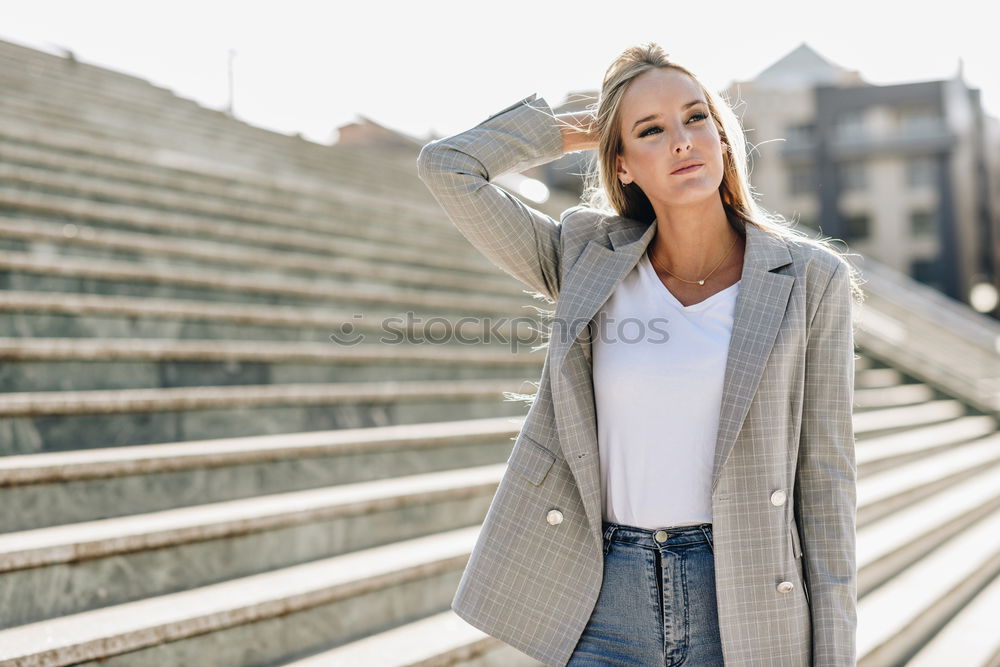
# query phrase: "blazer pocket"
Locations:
[[530, 459], [793, 530]]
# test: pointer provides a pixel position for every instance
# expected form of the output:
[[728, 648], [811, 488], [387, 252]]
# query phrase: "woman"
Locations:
[[683, 488]]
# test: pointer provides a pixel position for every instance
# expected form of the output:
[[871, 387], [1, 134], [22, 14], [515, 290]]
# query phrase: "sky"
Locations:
[[438, 67]]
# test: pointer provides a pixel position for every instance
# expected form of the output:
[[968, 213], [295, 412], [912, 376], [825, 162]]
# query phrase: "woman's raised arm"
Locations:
[[458, 170]]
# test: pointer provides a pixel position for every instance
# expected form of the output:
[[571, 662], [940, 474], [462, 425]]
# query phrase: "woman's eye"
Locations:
[[696, 117]]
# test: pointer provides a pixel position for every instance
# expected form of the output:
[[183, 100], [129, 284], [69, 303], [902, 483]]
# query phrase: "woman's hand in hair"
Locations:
[[578, 133]]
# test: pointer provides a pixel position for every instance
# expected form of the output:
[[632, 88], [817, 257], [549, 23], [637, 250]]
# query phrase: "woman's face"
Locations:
[[659, 132]]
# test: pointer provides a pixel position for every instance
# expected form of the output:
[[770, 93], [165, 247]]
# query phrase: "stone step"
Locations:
[[35, 422], [71, 99], [64, 102], [879, 378], [68, 569], [971, 634], [53, 488], [896, 619], [73, 81], [897, 541], [260, 618], [302, 198], [364, 223], [895, 487], [29, 59], [21, 271], [892, 396], [78, 364], [101, 123], [166, 165], [897, 419], [882, 452], [84, 214], [441, 639], [39, 237], [53, 314], [384, 173]]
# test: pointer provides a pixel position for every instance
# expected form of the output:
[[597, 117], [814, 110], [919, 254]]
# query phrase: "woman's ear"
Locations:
[[623, 176]]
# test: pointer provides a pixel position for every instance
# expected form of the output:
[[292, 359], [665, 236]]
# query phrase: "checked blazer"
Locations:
[[784, 478]]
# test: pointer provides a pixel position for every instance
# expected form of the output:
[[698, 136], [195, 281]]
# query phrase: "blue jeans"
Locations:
[[657, 604]]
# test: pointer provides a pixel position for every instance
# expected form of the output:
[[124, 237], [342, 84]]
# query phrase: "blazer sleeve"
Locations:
[[826, 476], [458, 170]]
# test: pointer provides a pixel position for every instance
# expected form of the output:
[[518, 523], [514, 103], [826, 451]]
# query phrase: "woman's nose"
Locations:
[[682, 141]]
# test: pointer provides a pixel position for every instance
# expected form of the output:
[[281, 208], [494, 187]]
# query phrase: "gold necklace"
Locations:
[[692, 282]]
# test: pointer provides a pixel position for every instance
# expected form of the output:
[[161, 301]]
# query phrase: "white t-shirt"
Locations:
[[658, 377]]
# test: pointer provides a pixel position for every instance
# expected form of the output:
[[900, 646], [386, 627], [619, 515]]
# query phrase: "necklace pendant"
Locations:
[[701, 282]]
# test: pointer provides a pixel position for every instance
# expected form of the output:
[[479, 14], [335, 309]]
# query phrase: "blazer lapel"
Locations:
[[760, 306]]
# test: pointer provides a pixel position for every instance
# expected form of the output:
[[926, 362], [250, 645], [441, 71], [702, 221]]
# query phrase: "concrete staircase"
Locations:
[[194, 473]]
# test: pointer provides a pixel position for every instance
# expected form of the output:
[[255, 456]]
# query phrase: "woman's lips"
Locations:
[[688, 170]]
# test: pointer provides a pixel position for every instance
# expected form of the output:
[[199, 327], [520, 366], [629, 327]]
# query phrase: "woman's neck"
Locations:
[[691, 242]]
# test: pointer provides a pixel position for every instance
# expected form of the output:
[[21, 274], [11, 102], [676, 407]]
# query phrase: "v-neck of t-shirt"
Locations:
[[658, 285]]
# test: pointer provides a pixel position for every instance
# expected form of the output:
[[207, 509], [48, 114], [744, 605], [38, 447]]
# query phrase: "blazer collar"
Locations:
[[605, 262]]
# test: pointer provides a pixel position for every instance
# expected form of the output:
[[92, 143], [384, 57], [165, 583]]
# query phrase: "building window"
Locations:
[[927, 271], [920, 121], [921, 171], [858, 226], [850, 125], [803, 180], [801, 134], [923, 223], [853, 176]]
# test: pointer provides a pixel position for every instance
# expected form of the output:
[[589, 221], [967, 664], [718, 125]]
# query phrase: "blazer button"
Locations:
[[554, 517], [785, 586], [778, 497]]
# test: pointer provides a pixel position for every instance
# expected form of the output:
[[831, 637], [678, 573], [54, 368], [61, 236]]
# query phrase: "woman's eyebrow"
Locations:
[[656, 115]]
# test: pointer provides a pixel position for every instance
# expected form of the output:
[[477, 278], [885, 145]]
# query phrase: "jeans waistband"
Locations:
[[656, 538]]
